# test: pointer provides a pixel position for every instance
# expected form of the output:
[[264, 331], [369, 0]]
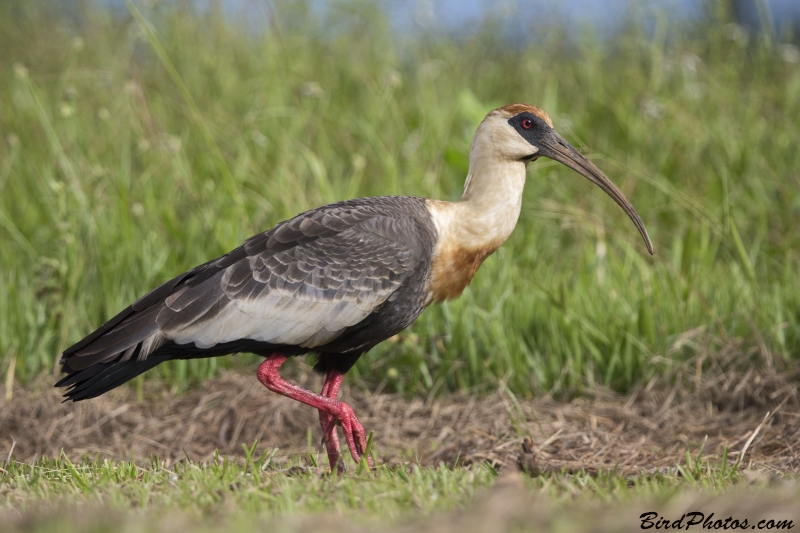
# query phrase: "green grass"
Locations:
[[134, 150], [202, 489], [229, 494]]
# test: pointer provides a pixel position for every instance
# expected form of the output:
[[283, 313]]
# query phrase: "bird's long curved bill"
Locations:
[[557, 148]]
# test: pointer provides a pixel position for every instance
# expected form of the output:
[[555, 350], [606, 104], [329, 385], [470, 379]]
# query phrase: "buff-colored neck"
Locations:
[[491, 203], [492, 196], [472, 229], [469, 231]]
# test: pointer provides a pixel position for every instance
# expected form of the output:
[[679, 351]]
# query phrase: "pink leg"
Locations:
[[330, 389], [339, 412]]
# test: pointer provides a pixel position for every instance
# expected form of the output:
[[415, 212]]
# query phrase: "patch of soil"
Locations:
[[726, 399]]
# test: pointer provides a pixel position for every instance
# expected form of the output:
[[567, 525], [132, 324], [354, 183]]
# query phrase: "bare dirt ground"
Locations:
[[740, 397]]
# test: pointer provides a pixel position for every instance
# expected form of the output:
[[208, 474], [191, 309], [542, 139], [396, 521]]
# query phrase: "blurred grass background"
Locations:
[[137, 144]]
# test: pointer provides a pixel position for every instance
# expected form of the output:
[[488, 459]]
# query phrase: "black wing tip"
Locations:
[[64, 382], [68, 397], [100, 378], [69, 393]]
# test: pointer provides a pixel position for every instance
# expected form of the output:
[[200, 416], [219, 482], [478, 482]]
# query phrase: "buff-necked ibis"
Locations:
[[333, 281]]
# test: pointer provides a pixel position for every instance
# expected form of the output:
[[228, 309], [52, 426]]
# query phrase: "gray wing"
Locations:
[[315, 276], [301, 283]]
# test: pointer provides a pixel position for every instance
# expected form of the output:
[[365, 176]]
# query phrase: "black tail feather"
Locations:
[[102, 377], [99, 378]]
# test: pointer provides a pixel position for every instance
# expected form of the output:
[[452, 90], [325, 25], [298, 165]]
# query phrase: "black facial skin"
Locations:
[[537, 135]]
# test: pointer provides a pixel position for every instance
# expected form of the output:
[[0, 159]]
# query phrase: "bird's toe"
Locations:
[[353, 431]]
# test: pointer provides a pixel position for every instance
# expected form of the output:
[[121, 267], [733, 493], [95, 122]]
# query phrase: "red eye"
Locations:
[[526, 123]]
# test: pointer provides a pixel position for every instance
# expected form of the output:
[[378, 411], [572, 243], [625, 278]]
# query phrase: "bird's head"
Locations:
[[524, 133]]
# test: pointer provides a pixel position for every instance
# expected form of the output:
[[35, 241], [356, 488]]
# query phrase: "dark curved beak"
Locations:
[[555, 147]]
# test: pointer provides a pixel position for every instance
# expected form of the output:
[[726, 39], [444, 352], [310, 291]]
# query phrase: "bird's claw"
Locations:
[[353, 433]]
